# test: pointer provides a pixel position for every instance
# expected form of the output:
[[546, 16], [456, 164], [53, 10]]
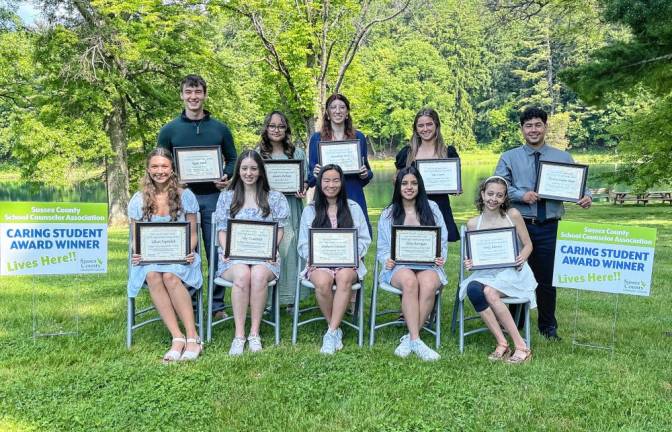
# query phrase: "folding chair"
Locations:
[[524, 304], [132, 315], [212, 281], [432, 325], [357, 321]]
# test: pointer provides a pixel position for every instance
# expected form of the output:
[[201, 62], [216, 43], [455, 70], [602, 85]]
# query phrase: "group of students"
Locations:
[[338, 202]]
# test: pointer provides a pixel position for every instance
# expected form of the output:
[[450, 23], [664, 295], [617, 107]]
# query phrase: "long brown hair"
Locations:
[[238, 188], [506, 204], [440, 149], [148, 187], [265, 145], [326, 132]]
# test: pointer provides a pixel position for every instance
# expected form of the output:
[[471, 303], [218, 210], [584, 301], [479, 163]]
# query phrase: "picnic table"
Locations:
[[642, 198]]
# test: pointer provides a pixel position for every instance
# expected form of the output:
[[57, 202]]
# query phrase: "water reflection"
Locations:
[[379, 191]]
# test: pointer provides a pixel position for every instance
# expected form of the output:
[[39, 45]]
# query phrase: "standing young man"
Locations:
[[519, 167], [194, 127]]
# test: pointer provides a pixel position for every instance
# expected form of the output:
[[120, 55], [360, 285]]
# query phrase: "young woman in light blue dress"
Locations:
[[333, 209], [485, 288], [276, 144], [418, 283], [249, 198], [162, 200]]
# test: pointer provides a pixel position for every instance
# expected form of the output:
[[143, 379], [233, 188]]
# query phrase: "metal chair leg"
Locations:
[[276, 313], [130, 321]]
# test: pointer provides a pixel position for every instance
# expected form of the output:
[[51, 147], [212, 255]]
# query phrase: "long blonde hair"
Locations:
[[148, 187], [440, 149]]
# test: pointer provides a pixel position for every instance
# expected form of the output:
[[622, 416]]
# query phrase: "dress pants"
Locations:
[[541, 261], [208, 204]]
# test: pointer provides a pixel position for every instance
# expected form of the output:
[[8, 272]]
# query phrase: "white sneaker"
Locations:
[[332, 341], [237, 346], [338, 339], [423, 351], [404, 348], [254, 343]]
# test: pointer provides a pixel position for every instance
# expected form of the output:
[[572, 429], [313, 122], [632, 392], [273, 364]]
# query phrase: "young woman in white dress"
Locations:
[[485, 288]]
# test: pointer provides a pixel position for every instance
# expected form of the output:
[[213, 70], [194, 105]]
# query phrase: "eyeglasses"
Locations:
[[277, 127]]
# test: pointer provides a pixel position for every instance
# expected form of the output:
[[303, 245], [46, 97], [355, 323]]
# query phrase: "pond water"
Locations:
[[378, 192]]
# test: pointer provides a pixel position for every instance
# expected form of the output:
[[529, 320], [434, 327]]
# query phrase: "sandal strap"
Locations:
[[180, 339]]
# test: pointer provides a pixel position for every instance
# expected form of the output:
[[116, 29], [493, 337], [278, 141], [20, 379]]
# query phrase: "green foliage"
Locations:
[[634, 71]]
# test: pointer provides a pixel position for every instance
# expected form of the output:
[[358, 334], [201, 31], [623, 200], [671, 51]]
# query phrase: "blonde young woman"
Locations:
[[162, 200]]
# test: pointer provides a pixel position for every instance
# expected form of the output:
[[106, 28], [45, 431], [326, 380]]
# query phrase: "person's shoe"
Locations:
[[254, 343], [423, 351], [550, 333], [338, 339], [188, 355], [521, 355], [220, 315], [501, 352], [237, 346], [404, 348], [175, 353]]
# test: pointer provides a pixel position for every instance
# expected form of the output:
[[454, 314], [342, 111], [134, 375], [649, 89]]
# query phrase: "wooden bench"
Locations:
[[623, 197], [663, 197]]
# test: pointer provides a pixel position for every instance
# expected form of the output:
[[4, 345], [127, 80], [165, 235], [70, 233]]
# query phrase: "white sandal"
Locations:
[[192, 355], [174, 355]]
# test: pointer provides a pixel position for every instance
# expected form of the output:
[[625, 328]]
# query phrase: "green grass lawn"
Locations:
[[92, 382]]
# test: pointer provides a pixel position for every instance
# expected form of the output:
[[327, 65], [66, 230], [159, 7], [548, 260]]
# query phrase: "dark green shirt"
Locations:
[[184, 132]]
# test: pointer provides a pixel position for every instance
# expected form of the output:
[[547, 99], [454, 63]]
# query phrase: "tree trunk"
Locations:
[[116, 126]]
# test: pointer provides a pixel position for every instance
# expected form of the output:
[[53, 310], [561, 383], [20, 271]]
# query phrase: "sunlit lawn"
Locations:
[[92, 382]]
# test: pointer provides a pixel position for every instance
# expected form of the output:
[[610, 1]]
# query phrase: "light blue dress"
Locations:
[[359, 221], [190, 274], [279, 213], [385, 244]]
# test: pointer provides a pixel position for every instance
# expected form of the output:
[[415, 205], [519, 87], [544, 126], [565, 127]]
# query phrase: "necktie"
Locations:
[[541, 204]]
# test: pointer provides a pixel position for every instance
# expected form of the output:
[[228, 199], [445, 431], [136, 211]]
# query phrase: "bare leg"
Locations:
[[407, 281], [344, 280], [428, 282], [323, 282], [239, 274], [503, 316], [162, 303], [259, 278], [181, 300]]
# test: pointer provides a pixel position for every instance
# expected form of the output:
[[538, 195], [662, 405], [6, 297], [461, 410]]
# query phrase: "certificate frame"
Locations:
[[472, 235], [141, 231], [265, 228], [214, 152], [541, 185], [348, 234], [430, 184], [428, 231], [296, 168], [324, 147]]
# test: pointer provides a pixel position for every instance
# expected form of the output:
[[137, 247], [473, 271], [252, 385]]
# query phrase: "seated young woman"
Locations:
[[332, 209], [161, 199], [249, 198], [418, 283], [485, 288]]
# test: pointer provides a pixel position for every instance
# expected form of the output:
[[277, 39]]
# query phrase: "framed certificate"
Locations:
[[492, 248], [415, 244], [285, 176], [441, 175], [345, 154], [561, 181], [162, 242], [198, 164], [333, 247], [246, 239]]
